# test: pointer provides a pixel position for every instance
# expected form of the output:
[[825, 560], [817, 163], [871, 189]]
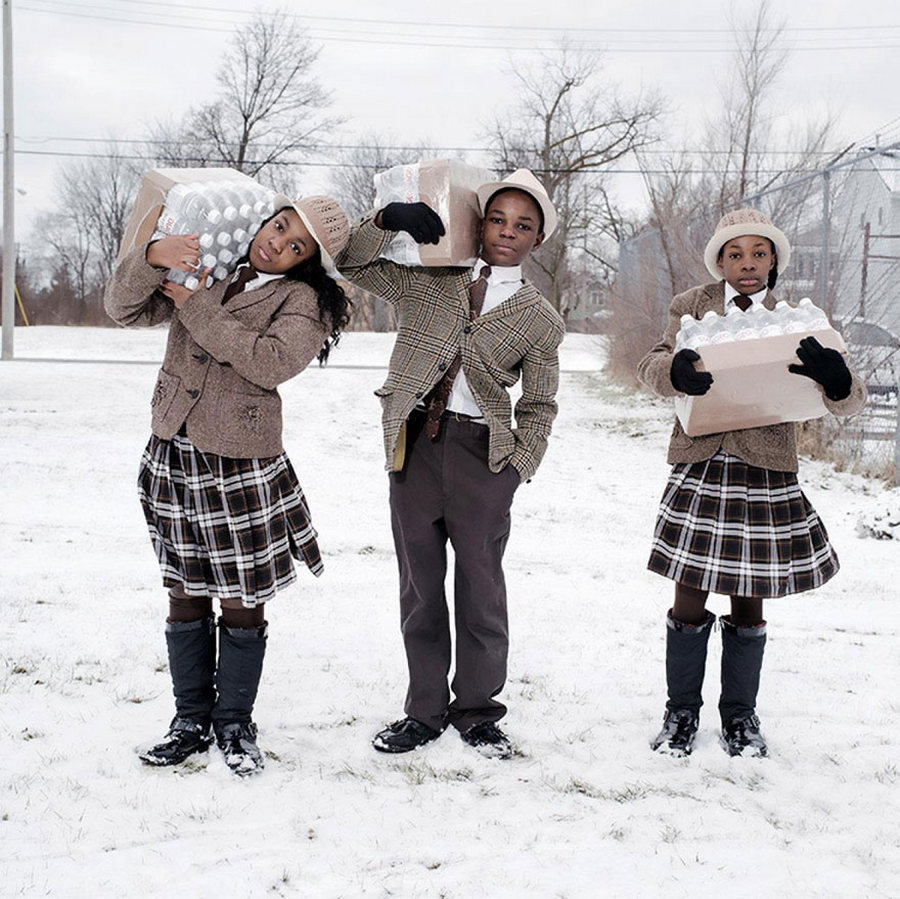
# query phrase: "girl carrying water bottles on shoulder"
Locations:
[[733, 519], [224, 508]]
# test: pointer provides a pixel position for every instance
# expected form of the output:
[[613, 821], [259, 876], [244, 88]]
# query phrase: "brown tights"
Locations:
[[690, 607], [195, 608]]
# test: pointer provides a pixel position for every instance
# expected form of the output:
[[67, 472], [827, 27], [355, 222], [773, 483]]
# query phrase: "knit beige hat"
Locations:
[[325, 221], [522, 179], [740, 223]]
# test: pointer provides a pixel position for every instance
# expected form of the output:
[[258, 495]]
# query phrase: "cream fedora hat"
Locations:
[[740, 223], [522, 179]]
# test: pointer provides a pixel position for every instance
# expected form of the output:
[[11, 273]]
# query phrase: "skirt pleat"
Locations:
[[222, 527], [732, 528]]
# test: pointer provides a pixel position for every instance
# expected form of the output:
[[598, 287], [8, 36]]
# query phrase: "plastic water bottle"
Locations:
[[686, 333], [765, 321], [814, 317], [716, 328]]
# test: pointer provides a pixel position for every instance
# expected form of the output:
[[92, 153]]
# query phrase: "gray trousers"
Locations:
[[446, 491]]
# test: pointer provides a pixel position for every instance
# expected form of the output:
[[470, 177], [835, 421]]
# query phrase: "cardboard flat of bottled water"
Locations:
[[151, 198], [448, 187], [752, 386]]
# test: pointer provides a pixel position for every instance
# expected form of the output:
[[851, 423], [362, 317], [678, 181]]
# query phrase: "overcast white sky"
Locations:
[[418, 70]]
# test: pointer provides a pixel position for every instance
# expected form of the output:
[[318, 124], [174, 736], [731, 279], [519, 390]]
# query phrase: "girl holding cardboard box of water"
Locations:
[[224, 508], [733, 519]]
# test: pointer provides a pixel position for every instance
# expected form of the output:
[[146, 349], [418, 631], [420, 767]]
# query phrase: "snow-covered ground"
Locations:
[[586, 811]]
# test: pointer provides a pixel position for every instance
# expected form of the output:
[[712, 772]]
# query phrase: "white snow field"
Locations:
[[586, 810]]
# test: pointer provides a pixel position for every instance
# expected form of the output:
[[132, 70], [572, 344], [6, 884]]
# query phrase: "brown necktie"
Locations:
[[245, 275], [742, 302], [436, 402]]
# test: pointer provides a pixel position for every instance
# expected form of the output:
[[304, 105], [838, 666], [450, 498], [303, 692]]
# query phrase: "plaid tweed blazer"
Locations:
[[773, 446], [222, 362], [519, 338]]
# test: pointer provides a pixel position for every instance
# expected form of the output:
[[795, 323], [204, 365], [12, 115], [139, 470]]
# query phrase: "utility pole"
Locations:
[[825, 264], [9, 231], [867, 236]]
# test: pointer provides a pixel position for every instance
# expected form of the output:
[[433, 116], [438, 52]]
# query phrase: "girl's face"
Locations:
[[282, 242], [745, 263]]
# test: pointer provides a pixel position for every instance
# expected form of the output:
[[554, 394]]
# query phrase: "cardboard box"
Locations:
[[752, 386], [448, 187], [151, 198]]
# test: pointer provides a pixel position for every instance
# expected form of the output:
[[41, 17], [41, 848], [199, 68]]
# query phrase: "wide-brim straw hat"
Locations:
[[325, 221], [522, 179], [741, 223]]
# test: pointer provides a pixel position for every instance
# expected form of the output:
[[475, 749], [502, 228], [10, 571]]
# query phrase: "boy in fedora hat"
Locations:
[[733, 518], [225, 511], [454, 456]]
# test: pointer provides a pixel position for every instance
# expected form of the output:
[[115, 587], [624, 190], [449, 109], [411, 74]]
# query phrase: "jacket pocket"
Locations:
[[165, 391], [254, 413]]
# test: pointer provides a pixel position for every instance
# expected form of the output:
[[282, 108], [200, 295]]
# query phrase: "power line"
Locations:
[[305, 163], [698, 151], [427, 41], [418, 24]]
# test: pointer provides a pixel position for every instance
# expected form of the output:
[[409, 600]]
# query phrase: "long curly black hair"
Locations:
[[334, 306]]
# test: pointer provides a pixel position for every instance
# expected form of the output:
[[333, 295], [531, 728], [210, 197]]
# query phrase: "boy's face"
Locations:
[[282, 242], [510, 230], [745, 263]]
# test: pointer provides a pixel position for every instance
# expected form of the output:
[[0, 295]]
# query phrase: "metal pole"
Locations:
[[867, 231], [9, 231], [826, 234]]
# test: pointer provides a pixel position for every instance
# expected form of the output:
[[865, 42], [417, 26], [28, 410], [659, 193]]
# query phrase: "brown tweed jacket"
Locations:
[[519, 338], [222, 362], [771, 447]]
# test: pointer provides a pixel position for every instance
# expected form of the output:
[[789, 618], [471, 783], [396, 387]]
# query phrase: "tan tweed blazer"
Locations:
[[222, 362], [519, 338], [771, 447]]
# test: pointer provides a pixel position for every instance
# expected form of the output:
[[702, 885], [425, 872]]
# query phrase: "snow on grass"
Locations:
[[585, 809]]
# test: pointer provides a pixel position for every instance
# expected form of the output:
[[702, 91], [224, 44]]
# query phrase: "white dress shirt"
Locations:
[[502, 284], [755, 298]]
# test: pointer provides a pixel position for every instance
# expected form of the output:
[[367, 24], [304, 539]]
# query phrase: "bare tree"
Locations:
[[354, 168], [744, 153], [268, 112], [570, 127]]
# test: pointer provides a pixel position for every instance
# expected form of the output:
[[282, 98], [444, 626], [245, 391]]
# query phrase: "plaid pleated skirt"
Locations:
[[225, 528], [732, 528]]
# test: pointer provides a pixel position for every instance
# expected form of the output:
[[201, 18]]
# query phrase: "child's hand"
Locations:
[[175, 251], [179, 294], [825, 366], [418, 219], [685, 377]]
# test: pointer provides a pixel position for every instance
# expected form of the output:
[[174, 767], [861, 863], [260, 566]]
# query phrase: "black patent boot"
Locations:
[[241, 654], [192, 660], [742, 655], [686, 646]]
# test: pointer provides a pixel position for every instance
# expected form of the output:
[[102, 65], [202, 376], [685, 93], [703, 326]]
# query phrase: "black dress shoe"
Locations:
[[404, 736], [489, 740], [185, 737]]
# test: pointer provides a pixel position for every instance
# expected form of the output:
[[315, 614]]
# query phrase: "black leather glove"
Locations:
[[685, 377], [417, 219], [824, 365]]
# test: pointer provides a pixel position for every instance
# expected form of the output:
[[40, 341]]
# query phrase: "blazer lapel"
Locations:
[[250, 297]]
